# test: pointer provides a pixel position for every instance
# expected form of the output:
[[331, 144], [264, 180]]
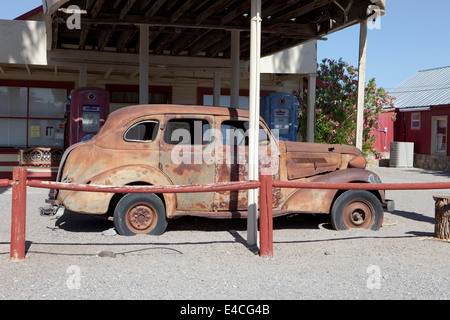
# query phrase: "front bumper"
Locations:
[[389, 205]]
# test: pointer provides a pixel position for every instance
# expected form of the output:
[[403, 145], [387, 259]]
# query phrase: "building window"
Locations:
[[32, 116], [439, 134], [415, 121], [128, 95]]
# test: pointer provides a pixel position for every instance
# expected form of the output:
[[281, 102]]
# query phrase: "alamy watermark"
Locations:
[[229, 147], [374, 280], [374, 20], [74, 280], [74, 19]]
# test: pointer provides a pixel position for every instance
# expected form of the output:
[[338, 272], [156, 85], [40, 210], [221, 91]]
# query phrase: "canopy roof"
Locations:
[[198, 28]]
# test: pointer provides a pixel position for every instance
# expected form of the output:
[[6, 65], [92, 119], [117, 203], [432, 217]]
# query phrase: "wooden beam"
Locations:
[[298, 11], [83, 36], [133, 74], [28, 69], [210, 10], [108, 73], [98, 6], [126, 8], [104, 38], [181, 10], [124, 39], [154, 8]]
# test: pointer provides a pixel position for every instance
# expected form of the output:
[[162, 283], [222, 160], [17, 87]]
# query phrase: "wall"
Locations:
[[421, 137], [23, 42], [384, 139]]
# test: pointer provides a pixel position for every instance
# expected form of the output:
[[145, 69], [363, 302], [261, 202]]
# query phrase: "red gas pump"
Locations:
[[89, 110]]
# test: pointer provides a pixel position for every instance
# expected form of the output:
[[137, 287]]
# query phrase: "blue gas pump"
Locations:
[[279, 110]]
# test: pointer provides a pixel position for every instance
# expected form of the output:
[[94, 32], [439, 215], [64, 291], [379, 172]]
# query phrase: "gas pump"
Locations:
[[279, 110], [89, 110]]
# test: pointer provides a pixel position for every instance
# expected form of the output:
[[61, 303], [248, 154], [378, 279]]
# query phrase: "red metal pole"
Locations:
[[363, 186], [266, 217], [18, 214]]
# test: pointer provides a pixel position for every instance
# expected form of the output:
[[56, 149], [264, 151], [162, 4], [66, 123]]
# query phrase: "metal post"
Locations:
[[18, 214], [255, 57], [266, 217], [361, 84], [143, 63]]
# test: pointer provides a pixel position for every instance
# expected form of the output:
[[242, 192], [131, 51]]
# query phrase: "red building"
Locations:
[[422, 109]]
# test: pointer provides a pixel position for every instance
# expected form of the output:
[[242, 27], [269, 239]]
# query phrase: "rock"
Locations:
[[109, 232], [107, 254]]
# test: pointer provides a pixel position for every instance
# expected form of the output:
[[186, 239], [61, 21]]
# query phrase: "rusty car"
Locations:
[[148, 145]]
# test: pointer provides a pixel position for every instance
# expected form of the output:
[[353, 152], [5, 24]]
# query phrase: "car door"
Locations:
[[185, 139], [232, 161]]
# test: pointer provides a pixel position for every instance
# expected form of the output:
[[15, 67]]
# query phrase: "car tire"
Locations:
[[357, 209], [140, 214]]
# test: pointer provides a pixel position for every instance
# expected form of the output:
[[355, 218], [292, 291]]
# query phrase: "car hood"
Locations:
[[320, 148], [309, 159]]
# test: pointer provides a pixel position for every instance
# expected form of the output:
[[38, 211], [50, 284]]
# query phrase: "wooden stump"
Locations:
[[442, 218]]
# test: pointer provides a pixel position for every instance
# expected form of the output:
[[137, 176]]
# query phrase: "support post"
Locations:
[[144, 39], [361, 84], [311, 108], [83, 77], [235, 66], [18, 214], [266, 217], [255, 58], [217, 88]]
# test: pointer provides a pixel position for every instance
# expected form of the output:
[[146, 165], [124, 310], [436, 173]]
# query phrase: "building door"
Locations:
[[439, 135]]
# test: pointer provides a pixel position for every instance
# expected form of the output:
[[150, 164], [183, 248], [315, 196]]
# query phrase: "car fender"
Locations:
[[321, 200], [98, 202]]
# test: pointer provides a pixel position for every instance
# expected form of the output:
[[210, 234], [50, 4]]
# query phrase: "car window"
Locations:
[[144, 131], [187, 131], [235, 132]]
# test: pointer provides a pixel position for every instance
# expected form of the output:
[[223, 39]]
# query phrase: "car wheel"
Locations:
[[140, 214], [357, 209]]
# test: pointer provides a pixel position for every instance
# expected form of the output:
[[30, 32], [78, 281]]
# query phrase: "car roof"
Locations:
[[123, 116]]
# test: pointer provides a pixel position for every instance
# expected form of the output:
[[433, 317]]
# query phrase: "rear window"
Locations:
[[144, 131]]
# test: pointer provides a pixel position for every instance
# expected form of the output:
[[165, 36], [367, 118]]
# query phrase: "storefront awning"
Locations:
[[196, 28]]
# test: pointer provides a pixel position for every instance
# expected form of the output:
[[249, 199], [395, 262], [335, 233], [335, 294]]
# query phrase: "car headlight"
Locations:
[[373, 178], [357, 162]]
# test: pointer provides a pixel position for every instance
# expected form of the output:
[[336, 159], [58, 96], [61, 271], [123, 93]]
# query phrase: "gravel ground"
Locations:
[[208, 259]]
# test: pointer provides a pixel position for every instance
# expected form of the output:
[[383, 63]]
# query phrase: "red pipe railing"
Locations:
[[266, 184], [363, 186]]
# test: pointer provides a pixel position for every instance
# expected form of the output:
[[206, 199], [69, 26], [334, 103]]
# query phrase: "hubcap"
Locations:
[[141, 218], [358, 214]]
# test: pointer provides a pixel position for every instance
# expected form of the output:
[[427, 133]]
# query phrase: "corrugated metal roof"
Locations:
[[424, 89]]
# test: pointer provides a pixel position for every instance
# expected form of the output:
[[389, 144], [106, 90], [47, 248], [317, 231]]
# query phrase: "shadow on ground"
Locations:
[[78, 222]]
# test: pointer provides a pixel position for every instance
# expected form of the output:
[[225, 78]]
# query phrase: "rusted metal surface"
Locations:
[[309, 159], [141, 218], [111, 160], [358, 214], [197, 188]]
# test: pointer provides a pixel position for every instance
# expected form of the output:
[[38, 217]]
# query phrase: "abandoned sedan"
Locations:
[[184, 145]]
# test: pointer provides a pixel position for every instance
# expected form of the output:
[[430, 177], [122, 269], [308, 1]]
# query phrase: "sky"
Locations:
[[413, 35]]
